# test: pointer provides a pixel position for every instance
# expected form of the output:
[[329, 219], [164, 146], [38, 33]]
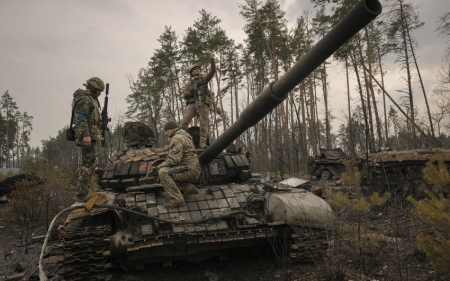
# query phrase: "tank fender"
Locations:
[[300, 208]]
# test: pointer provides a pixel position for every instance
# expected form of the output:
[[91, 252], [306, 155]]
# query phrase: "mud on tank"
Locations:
[[127, 224]]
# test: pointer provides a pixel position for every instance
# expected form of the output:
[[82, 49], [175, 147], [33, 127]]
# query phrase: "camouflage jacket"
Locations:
[[181, 151], [87, 117], [200, 85]]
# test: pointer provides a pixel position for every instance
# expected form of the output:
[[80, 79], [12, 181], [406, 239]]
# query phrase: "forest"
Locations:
[[302, 125]]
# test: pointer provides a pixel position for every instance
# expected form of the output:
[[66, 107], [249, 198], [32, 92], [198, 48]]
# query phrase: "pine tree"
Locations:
[[26, 126], [444, 29], [358, 204], [9, 107], [404, 20], [436, 210]]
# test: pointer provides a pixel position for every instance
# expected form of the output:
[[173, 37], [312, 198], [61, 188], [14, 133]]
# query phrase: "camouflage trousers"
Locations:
[[189, 113], [89, 161], [176, 183]]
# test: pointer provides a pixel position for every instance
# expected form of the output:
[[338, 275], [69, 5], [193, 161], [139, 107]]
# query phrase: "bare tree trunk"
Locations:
[[433, 141], [302, 104], [266, 138], [325, 101], [421, 82], [386, 133], [17, 148], [408, 72], [236, 102], [295, 152], [178, 85], [372, 92], [312, 117], [363, 106], [248, 102], [350, 121], [316, 120], [7, 140]]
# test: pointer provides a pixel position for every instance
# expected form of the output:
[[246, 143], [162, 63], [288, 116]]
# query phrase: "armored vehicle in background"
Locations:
[[401, 170], [127, 224], [330, 163]]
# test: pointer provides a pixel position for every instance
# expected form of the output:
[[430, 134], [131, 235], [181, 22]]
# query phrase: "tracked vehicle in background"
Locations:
[[127, 224], [330, 163], [401, 171]]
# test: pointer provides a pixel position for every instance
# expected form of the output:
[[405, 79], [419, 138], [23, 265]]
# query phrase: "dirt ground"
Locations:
[[393, 256]]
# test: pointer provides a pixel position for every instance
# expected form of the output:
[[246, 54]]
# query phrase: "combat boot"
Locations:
[[191, 189], [172, 204]]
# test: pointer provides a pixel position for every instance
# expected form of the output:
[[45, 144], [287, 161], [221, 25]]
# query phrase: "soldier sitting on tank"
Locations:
[[181, 166], [198, 98]]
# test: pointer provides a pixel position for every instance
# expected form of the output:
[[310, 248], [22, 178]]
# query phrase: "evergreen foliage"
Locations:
[[15, 129], [436, 210], [357, 204], [437, 174]]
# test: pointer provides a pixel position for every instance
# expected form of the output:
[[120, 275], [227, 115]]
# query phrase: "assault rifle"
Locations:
[[177, 171], [197, 102], [105, 119]]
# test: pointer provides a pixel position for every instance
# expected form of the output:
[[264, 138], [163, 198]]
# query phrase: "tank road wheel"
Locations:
[[325, 175]]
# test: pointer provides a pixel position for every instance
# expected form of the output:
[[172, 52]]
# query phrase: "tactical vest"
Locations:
[[94, 117], [199, 91]]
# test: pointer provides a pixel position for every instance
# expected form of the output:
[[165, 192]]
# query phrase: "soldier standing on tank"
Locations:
[[198, 98], [182, 156], [87, 121]]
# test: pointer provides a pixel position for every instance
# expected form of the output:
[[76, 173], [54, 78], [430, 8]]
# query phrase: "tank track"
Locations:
[[309, 244], [85, 248]]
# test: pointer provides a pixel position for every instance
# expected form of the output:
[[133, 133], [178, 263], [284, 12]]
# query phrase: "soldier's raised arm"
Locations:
[[212, 69]]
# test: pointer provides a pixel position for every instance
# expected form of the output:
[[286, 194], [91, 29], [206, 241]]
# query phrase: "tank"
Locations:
[[401, 170], [330, 163], [127, 225]]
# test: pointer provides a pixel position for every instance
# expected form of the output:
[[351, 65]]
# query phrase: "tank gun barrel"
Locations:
[[358, 17]]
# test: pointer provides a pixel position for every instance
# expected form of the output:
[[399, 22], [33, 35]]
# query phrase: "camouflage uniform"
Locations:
[[181, 154], [87, 120], [204, 101]]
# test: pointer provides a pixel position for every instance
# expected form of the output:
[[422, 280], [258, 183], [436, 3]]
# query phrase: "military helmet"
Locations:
[[192, 67], [96, 83], [172, 124]]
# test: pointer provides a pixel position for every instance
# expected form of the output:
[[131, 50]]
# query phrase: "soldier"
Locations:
[[182, 156], [87, 121], [198, 99]]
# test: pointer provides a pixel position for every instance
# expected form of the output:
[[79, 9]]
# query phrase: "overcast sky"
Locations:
[[49, 48]]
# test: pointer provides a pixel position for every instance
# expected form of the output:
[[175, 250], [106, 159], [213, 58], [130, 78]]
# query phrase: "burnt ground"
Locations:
[[392, 255]]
